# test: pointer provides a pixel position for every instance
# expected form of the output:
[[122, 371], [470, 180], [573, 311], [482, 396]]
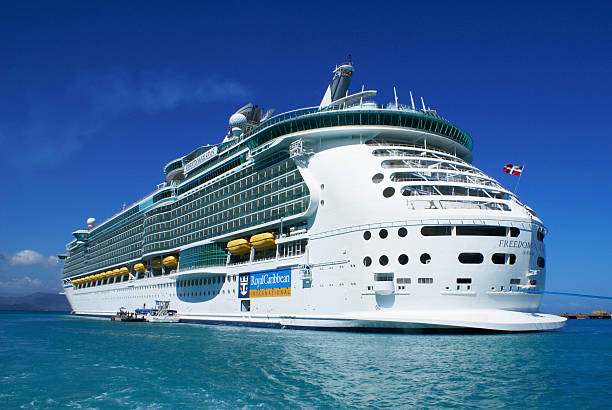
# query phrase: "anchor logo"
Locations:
[[243, 285]]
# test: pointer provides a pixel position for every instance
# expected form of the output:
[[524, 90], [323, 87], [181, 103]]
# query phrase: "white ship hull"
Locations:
[[330, 285]]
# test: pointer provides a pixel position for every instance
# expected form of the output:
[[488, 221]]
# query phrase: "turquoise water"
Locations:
[[54, 360]]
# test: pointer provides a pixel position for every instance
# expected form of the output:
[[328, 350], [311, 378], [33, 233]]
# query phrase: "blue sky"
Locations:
[[96, 97]]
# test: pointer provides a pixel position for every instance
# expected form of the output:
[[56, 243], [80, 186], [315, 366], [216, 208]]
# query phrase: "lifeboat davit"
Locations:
[[139, 267], [239, 246], [263, 241], [156, 264], [170, 262]]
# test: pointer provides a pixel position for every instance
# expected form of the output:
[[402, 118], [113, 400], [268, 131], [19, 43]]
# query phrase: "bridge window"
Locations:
[[481, 230], [436, 230]]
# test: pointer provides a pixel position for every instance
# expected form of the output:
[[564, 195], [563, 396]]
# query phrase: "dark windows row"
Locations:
[[472, 230], [383, 234], [402, 259]]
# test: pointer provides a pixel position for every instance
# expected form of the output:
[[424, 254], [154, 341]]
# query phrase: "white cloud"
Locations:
[[23, 282], [30, 257], [59, 123]]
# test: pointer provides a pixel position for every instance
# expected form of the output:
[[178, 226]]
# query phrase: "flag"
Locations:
[[513, 169]]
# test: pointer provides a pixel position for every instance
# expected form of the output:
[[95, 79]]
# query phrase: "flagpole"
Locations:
[[519, 179]]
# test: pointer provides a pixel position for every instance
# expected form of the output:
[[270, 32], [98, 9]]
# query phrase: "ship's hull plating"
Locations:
[[364, 266]]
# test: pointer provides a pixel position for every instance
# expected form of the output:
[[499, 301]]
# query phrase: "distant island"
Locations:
[[48, 302]]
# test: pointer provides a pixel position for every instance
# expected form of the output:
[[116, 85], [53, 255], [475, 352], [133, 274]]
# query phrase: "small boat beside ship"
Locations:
[[159, 314]]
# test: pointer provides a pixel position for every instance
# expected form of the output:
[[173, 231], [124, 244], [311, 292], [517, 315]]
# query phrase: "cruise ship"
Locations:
[[349, 215]]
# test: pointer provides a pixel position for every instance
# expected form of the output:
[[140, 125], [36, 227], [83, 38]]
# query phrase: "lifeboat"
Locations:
[[239, 246], [108, 273], [170, 262], [263, 241], [115, 272], [139, 267], [156, 264], [124, 271]]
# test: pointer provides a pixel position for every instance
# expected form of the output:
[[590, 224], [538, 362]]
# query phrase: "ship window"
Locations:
[[464, 280], [402, 232], [515, 281], [383, 233], [403, 259], [471, 257], [383, 260], [403, 280], [514, 232], [541, 262], [388, 192], [367, 235], [377, 178], [367, 261], [436, 230], [383, 277], [532, 282], [425, 258], [540, 236], [481, 231], [500, 258], [425, 280]]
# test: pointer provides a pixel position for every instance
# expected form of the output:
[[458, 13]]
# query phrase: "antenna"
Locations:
[[361, 98], [423, 102], [411, 99], [395, 93]]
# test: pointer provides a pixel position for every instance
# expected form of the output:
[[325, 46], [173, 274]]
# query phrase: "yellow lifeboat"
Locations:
[[263, 241], [139, 267], [115, 272], [170, 262], [124, 271], [156, 263], [239, 246]]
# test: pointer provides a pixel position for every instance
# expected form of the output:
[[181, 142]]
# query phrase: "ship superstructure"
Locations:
[[350, 214]]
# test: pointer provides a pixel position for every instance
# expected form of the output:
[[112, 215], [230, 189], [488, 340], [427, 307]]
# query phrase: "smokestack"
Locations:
[[341, 81]]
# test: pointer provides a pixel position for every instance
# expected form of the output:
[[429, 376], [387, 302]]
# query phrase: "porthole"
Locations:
[[322, 202], [471, 257], [425, 258], [367, 235], [383, 260], [383, 233], [403, 259], [377, 178], [402, 232], [322, 187], [367, 261], [388, 192]]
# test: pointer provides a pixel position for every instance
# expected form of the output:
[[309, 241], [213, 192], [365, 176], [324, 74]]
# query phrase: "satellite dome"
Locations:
[[238, 121], [91, 222]]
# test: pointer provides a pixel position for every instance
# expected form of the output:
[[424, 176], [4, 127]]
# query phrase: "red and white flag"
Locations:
[[513, 169]]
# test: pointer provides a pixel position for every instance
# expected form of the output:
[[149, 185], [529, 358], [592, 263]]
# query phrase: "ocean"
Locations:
[[50, 360]]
